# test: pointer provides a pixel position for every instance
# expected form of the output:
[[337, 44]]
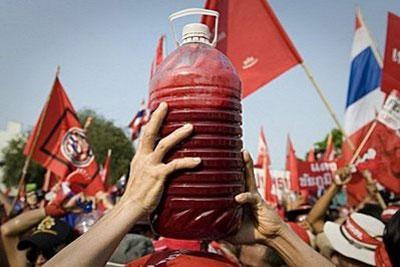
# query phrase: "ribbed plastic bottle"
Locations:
[[201, 87]]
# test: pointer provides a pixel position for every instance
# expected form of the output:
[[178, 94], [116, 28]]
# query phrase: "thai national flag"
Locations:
[[364, 96], [138, 121], [364, 99]]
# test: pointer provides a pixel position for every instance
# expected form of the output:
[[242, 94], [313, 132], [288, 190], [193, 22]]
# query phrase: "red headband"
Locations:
[[359, 234]]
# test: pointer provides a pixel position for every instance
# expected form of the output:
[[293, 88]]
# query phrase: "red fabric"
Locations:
[[359, 234], [252, 37], [291, 166], [172, 244], [182, 258], [61, 145], [54, 210], [95, 186], [300, 231], [263, 153], [264, 161], [314, 176], [380, 155], [381, 256], [311, 155], [391, 64]]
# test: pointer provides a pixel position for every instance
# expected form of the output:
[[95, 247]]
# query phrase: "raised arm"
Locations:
[[143, 192], [11, 231], [264, 226], [315, 217]]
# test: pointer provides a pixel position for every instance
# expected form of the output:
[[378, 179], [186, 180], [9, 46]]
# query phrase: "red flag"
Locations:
[[291, 166], [391, 65], [264, 160], [159, 56], [262, 149], [50, 180], [254, 40], [58, 142], [329, 154], [311, 155]]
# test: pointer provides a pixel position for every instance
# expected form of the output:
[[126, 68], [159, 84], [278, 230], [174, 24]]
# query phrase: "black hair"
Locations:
[[373, 210], [391, 238]]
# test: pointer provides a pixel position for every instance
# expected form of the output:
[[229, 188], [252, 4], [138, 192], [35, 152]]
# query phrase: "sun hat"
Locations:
[[359, 238]]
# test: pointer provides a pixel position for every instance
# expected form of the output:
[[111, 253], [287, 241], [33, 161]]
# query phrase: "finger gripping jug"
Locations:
[[201, 87]]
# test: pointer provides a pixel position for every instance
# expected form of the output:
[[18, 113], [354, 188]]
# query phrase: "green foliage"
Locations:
[[14, 161], [104, 135], [337, 135]]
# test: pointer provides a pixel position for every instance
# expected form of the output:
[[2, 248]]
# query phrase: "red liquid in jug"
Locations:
[[201, 87]]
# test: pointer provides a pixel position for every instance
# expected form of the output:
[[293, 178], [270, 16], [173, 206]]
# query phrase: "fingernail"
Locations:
[[163, 104], [238, 197], [187, 126], [197, 160]]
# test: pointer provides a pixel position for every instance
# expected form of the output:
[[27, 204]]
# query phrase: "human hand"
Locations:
[[64, 206], [148, 172], [261, 222], [342, 176]]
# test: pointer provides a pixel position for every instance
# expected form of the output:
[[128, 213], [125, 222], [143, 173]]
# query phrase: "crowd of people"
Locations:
[[112, 228]]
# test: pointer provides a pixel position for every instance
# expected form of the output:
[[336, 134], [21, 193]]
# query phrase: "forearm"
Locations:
[[23, 222], [11, 230], [294, 251], [15, 257], [321, 206], [96, 246]]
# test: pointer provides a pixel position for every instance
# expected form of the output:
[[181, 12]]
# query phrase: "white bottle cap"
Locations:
[[196, 33]]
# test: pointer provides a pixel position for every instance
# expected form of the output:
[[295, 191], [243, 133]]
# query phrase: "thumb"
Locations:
[[247, 197]]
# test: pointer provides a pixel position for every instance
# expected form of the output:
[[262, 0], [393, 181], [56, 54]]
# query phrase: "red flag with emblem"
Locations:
[[291, 166], [59, 143], [252, 37]]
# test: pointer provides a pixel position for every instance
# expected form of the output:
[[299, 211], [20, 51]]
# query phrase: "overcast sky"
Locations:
[[105, 49]]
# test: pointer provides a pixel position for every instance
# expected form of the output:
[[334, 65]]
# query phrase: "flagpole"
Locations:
[[35, 139], [326, 102], [88, 122]]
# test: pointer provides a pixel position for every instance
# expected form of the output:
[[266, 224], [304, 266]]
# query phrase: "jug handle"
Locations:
[[194, 11]]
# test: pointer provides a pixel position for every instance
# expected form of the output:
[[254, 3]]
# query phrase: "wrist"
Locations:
[[277, 237], [132, 207]]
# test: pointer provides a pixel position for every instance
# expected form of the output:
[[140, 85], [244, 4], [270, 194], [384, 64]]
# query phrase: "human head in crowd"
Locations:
[[131, 247], [50, 236], [391, 238], [33, 195], [373, 210], [357, 241]]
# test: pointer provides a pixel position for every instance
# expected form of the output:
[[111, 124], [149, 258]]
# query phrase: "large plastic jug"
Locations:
[[201, 87]]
